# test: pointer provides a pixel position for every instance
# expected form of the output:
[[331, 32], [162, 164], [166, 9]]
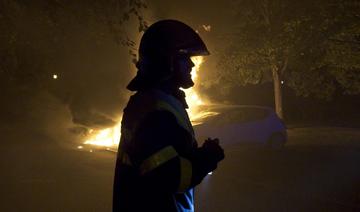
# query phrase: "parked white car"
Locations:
[[241, 124]]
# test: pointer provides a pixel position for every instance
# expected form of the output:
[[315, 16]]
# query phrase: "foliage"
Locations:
[[309, 44]]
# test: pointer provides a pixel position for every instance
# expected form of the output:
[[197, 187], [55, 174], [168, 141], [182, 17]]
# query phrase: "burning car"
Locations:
[[232, 124], [242, 124]]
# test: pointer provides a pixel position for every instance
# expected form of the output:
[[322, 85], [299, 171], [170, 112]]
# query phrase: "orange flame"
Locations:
[[110, 137]]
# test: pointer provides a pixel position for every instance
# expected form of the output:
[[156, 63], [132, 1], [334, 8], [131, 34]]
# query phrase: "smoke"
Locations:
[[82, 50]]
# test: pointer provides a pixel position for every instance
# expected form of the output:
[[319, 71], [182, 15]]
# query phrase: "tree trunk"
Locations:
[[277, 92]]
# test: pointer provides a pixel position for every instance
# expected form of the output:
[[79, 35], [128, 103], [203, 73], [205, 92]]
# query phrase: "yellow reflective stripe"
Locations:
[[124, 158], [186, 174], [179, 117], [157, 159]]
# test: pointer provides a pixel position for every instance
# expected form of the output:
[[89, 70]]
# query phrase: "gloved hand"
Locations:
[[214, 151], [206, 158]]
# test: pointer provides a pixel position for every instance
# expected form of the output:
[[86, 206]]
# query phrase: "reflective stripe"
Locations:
[[124, 158], [179, 117], [186, 174], [157, 159]]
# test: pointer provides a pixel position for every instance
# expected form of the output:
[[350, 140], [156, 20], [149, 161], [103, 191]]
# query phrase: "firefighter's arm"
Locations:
[[168, 164]]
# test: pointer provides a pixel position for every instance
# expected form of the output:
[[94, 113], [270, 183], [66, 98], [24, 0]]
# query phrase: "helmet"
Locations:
[[161, 42], [170, 37]]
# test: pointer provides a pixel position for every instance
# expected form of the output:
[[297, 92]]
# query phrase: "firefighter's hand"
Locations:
[[206, 159], [213, 149]]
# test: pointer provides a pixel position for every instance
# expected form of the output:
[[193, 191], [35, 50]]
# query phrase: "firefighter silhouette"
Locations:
[[159, 162]]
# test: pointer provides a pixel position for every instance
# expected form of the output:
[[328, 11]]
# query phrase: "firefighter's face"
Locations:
[[182, 68]]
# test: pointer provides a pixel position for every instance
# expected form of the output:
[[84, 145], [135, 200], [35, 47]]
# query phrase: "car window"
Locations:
[[242, 115], [225, 118], [254, 114], [235, 115]]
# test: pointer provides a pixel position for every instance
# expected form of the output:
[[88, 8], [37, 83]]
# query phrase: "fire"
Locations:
[[110, 137], [192, 98]]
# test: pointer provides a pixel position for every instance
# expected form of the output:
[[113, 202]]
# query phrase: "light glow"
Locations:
[[110, 137], [192, 98]]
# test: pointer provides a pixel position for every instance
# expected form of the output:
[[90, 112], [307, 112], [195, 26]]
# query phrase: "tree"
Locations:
[[343, 54], [287, 42]]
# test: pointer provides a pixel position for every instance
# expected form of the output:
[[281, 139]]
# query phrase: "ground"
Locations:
[[317, 171]]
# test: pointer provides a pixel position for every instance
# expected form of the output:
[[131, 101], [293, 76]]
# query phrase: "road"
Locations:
[[317, 171]]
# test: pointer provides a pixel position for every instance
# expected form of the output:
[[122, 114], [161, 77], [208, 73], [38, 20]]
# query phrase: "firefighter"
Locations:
[[159, 162]]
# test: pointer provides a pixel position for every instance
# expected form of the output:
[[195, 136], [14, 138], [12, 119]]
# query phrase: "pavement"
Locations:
[[317, 171]]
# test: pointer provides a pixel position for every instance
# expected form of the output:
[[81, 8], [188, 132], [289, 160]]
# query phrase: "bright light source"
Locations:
[[107, 137], [110, 137], [80, 147], [282, 82], [55, 76], [210, 173]]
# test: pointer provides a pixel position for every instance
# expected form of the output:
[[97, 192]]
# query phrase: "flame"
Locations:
[[192, 98], [110, 137]]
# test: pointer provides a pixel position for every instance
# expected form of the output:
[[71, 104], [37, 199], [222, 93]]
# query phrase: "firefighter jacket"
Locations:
[[158, 162]]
